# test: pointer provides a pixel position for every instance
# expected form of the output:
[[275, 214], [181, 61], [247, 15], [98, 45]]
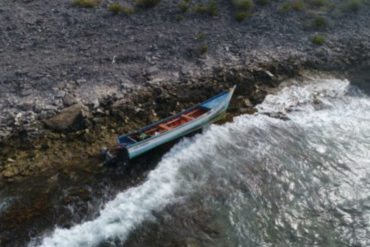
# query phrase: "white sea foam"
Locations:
[[133, 206], [211, 149]]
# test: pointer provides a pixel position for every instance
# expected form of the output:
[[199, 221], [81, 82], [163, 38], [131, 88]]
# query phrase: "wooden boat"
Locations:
[[138, 142]]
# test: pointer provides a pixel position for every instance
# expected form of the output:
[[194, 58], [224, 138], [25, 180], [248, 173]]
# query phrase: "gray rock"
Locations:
[[75, 117], [60, 94], [248, 103], [69, 100]]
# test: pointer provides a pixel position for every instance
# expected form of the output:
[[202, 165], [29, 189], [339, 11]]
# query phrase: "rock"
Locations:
[[269, 73], [247, 103], [26, 92], [152, 70], [10, 172], [69, 100], [60, 94], [75, 117]]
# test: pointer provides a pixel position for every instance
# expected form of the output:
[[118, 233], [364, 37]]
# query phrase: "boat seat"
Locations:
[[164, 126], [173, 120], [188, 117]]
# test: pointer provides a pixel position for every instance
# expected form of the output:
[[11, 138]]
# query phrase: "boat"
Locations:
[[194, 118]]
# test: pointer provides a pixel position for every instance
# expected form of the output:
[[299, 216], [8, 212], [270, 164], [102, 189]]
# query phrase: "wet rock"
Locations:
[[75, 117], [268, 73], [247, 103], [10, 172]]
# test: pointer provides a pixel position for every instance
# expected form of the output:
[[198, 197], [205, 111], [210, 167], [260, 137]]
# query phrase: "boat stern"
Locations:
[[118, 156]]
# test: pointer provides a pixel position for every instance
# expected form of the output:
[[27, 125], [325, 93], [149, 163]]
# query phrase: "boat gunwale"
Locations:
[[167, 132], [169, 117], [187, 132]]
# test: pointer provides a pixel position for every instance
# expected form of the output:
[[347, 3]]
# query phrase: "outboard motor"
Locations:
[[119, 158], [122, 156], [108, 158]]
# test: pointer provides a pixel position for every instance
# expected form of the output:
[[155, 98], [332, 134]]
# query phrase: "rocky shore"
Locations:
[[73, 78]]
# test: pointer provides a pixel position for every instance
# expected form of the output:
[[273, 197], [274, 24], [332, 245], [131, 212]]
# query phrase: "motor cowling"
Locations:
[[118, 156]]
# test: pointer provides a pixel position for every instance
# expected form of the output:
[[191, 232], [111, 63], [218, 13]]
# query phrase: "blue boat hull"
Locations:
[[216, 107]]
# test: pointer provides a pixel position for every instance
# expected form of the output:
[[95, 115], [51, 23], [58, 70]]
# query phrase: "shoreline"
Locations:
[[81, 182], [28, 154]]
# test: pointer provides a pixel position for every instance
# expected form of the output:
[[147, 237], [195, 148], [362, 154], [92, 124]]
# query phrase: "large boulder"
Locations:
[[72, 118]]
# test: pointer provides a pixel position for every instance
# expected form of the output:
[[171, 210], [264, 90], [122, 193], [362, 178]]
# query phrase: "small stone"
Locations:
[[271, 75], [247, 103]]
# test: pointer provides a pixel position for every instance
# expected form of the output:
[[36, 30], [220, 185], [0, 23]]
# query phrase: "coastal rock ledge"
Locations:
[[73, 78]]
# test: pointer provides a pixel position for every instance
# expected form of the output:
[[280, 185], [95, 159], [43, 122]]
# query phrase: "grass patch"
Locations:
[[210, 9], [318, 23], [115, 8], [128, 10], [179, 17], [318, 39], [146, 4], [244, 9], [353, 5], [296, 5], [241, 15], [285, 7], [204, 49], [201, 36], [85, 3], [183, 6], [243, 4]]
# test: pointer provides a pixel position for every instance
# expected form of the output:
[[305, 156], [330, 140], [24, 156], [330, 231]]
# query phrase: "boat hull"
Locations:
[[217, 107]]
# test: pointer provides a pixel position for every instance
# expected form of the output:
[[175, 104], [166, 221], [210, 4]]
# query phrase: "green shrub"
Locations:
[[353, 5], [128, 10], [243, 4], [179, 17], [146, 4], [115, 8], [263, 2], [204, 49], [85, 3], [201, 36], [211, 8], [297, 5], [318, 3], [318, 22], [241, 15], [318, 39], [183, 6], [285, 7], [200, 9]]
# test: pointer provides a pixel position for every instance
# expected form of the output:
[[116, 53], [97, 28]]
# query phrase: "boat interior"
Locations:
[[164, 126]]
